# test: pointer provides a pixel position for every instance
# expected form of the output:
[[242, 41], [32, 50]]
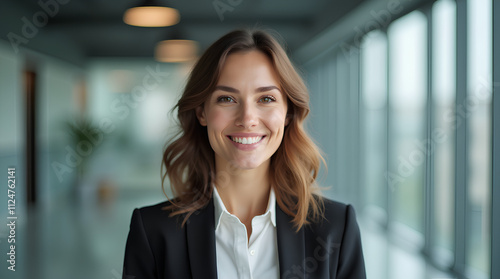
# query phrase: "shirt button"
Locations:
[[252, 252]]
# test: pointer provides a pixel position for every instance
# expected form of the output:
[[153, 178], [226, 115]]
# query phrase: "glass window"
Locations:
[[443, 130], [476, 111], [374, 112], [317, 81], [407, 118], [330, 125], [342, 156]]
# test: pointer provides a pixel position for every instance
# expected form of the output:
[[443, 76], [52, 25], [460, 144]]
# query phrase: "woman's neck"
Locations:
[[245, 193]]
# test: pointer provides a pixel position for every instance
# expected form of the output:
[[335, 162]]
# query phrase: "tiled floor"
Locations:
[[83, 239]]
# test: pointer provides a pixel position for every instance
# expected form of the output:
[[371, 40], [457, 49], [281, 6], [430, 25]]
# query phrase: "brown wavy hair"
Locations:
[[190, 161]]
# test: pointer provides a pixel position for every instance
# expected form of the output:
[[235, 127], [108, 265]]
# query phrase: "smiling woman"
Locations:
[[243, 171]]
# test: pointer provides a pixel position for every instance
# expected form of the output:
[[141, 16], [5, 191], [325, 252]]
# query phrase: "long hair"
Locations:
[[190, 161]]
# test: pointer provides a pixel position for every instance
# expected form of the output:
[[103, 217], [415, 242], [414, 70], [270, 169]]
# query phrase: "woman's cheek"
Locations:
[[276, 119], [219, 119]]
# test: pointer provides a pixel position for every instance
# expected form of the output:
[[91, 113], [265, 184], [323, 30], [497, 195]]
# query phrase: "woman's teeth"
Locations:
[[250, 140]]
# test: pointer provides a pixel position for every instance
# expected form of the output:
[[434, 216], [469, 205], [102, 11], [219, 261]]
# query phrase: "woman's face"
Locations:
[[246, 114]]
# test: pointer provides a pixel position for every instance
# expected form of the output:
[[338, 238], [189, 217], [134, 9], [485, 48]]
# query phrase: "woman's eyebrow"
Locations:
[[267, 88], [227, 89], [258, 90]]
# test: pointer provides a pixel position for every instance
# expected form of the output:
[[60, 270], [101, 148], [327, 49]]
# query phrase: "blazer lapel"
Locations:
[[200, 229], [291, 251]]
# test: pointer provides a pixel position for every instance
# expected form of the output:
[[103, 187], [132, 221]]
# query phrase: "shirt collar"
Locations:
[[220, 208]]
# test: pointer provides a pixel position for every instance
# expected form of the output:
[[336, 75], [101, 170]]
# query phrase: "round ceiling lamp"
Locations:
[[151, 14], [176, 51]]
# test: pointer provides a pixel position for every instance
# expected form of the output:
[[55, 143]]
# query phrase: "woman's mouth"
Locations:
[[246, 140]]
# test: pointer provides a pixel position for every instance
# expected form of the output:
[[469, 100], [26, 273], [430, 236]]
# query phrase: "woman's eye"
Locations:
[[225, 99], [267, 99]]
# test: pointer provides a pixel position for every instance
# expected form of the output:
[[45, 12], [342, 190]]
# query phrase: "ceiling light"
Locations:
[[151, 14], [176, 51]]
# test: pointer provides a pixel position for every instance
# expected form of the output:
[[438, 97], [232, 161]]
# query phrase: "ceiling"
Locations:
[[96, 27]]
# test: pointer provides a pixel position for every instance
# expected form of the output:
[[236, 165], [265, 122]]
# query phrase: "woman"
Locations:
[[243, 171]]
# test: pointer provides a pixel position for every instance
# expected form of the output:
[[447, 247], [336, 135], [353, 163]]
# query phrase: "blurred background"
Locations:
[[402, 105]]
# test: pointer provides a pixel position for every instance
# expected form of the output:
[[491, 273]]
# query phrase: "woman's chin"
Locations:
[[248, 165]]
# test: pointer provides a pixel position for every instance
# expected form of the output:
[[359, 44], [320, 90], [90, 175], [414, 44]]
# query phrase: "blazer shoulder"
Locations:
[[151, 209], [335, 210], [341, 228], [336, 216], [158, 216]]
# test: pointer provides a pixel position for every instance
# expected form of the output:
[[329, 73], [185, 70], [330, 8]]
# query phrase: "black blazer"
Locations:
[[158, 247]]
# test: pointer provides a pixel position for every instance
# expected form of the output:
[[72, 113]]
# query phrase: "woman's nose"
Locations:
[[247, 116]]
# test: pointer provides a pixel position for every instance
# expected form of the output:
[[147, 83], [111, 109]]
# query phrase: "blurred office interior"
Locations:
[[402, 104]]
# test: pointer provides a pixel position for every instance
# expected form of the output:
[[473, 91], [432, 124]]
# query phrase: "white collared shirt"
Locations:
[[236, 256]]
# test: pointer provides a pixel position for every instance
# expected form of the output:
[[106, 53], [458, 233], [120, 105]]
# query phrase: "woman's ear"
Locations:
[[200, 114], [288, 119]]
